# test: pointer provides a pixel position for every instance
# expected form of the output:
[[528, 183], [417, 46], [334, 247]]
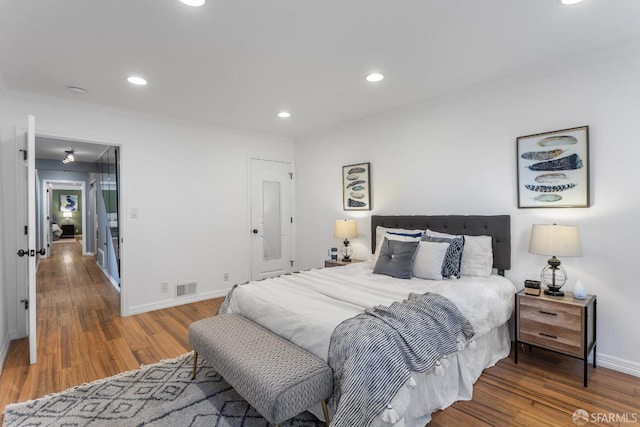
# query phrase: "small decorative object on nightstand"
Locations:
[[579, 291], [561, 324]]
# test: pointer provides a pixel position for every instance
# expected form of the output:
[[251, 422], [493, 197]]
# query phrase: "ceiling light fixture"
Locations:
[[69, 157], [194, 3], [567, 2], [284, 114], [375, 77], [137, 80]]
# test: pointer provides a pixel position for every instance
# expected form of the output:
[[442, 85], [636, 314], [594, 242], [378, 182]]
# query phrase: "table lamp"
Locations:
[[554, 240], [345, 229]]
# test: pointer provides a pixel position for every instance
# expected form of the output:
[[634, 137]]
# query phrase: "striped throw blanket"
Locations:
[[372, 355]]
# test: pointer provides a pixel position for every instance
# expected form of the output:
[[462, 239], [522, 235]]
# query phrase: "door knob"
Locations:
[[23, 252], [254, 231], [42, 251]]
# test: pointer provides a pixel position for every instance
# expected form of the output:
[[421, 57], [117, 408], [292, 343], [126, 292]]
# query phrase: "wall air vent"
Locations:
[[186, 289]]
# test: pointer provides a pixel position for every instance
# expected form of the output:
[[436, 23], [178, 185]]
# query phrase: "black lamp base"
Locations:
[[554, 291]]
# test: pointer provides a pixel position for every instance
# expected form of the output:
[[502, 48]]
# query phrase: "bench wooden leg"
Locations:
[[195, 363], [326, 413]]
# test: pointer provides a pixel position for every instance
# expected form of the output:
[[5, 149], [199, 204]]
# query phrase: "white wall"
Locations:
[[188, 183], [457, 156]]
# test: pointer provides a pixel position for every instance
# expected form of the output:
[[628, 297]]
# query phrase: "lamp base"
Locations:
[[555, 292], [347, 259]]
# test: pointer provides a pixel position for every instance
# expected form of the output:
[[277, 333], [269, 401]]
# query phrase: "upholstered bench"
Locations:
[[278, 378]]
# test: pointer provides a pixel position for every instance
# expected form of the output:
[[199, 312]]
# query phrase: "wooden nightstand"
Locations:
[[562, 324], [339, 263]]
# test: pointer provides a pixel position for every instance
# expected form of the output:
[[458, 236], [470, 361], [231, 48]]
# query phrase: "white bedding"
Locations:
[[306, 307]]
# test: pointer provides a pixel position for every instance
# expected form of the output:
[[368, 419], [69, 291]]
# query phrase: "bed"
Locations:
[[310, 307]]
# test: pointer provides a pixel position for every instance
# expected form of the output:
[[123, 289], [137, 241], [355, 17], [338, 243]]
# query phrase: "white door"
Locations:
[[29, 253], [271, 218]]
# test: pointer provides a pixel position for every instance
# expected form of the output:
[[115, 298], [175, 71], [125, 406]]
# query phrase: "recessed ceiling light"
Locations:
[[193, 2], [136, 80], [375, 77], [76, 89], [570, 1], [284, 114]]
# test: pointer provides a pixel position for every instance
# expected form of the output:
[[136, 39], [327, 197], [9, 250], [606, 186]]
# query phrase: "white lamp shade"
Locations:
[[345, 229], [67, 214], [556, 240]]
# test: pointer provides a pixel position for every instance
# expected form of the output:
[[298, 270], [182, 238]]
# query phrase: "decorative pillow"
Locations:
[[451, 264], [477, 256], [400, 234], [396, 258], [429, 259], [432, 233]]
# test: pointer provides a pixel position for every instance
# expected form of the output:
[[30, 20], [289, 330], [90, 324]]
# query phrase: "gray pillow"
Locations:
[[396, 258]]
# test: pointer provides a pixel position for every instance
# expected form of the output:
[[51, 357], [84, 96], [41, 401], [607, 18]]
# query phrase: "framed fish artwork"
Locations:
[[356, 187], [553, 169]]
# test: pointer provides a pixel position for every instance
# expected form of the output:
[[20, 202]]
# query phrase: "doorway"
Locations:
[[66, 214], [94, 175]]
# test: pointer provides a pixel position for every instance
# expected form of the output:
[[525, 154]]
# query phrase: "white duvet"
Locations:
[[306, 307]]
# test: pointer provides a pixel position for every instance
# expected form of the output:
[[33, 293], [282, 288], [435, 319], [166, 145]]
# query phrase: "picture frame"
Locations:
[[553, 169], [68, 202], [356, 187]]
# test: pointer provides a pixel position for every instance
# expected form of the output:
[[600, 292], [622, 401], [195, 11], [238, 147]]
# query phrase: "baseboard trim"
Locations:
[[176, 302], [617, 364], [111, 280]]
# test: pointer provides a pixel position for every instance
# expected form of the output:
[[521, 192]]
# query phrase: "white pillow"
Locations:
[[432, 233], [477, 256], [427, 263], [382, 232]]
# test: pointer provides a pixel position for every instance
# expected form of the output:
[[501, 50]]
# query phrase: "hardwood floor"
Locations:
[[81, 337], [545, 389]]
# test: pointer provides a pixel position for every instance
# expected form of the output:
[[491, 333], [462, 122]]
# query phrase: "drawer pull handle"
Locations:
[[548, 335], [548, 312]]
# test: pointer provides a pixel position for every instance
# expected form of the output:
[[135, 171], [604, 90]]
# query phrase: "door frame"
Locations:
[[293, 238], [82, 187], [69, 136]]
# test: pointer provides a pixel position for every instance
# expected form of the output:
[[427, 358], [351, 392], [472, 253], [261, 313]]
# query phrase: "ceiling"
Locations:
[[237, 63], [52, 148]]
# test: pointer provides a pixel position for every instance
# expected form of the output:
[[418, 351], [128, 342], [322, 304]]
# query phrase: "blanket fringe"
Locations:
[[445, 361], [389, 415], [411, 383], [439, 370]]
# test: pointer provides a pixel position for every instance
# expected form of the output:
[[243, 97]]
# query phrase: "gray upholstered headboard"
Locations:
[[496, 226]]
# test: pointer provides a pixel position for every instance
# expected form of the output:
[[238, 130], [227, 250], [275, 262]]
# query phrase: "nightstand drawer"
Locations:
[[554, 337], [549, 313]]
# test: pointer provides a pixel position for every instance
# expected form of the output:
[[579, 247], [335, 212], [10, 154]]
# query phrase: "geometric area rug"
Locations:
[[162, 394]]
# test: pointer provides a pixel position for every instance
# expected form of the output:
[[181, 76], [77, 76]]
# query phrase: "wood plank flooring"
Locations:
[[81, 337]]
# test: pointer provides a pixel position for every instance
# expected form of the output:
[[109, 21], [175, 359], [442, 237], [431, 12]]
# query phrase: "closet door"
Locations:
[[271, 218]]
